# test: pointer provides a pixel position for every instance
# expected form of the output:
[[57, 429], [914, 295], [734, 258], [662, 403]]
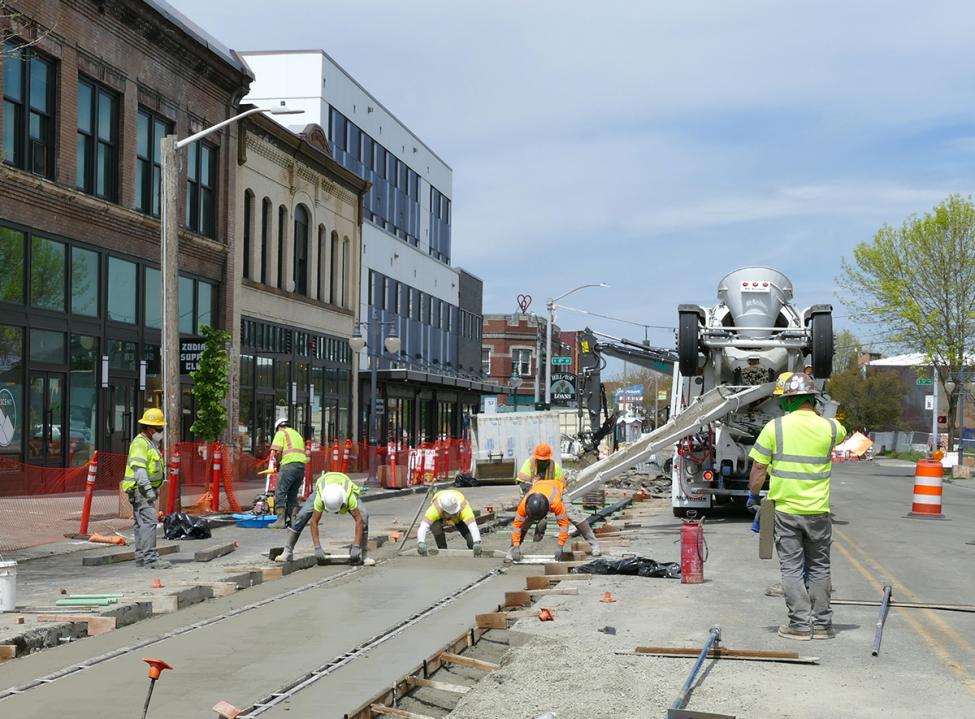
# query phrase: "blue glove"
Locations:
[[754, 500], [756, 523]]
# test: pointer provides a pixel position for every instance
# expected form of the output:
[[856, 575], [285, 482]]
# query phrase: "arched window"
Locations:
[[320, 261], [346, 260], [333, 259], [300, 266], [265, 239], [248, 232], [282, 240]]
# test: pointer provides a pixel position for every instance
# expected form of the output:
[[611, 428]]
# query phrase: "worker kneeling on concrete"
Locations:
[[334, 492], [546, 496], [451, 506], [143, 477], [796, 451], [540, 466]]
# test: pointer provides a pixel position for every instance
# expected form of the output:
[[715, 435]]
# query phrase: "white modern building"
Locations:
[[408, 285]]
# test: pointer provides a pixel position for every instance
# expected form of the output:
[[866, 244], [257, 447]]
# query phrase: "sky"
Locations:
[[657, 146]]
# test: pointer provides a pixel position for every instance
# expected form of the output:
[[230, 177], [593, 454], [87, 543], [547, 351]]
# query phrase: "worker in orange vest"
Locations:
[[545, 496]]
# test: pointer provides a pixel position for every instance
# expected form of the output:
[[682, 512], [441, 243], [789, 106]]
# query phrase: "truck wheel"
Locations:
[[687, 343], [822, 345]]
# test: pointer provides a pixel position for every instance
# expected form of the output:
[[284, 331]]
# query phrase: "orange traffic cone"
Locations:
[[156, 584], [607, 598]]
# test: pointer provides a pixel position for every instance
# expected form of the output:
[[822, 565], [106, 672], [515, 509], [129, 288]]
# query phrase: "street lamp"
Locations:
[[514, 382], [550, 305], [169, 246], [392, 344]]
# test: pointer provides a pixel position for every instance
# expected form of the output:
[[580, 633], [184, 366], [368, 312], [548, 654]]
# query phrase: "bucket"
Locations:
[[8, 586]]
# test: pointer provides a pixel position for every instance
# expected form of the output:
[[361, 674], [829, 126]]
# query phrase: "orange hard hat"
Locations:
[[543, 451]]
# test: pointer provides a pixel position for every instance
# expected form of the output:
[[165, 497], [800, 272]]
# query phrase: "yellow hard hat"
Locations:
[[780, 383], [153, 417]]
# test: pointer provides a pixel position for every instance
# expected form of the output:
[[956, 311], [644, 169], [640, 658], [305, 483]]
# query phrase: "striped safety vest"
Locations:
[[290, 444]]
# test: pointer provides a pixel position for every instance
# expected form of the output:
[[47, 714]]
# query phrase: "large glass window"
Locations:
[[121, 290], [82, 401], [186, 310], [521, 361], [201, 183], [121, 355], [47, 268], [28, 109], [486, 360], [95, 145], [47, 347], [153, 298], [11, 389], [248, 231], [301, 251], [265, 240], [12, 265], [282, 239], [204, 304], [150, 130], [84, 282]]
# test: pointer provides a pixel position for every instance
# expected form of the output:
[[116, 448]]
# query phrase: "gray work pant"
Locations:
[[802, 542], [144, 516], [308, 509], [290, 478]]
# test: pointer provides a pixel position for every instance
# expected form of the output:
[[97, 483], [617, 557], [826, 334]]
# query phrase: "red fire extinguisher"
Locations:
[[693, 552]]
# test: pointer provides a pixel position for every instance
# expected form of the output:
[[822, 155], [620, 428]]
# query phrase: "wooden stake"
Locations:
[[468, 662]]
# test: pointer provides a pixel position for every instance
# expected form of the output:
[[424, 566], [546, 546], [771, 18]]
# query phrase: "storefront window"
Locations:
[[121, 355], [265, 372], [121, 290], [47, 347], [83, 406], [11, 265], [84, 282], [282, 373], [152, 356], [11, 388], [47, 259], [185, 305], [345, 401], [204, 304], [153, 298]]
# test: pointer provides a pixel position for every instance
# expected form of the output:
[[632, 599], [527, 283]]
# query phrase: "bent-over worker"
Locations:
[[334, 492], [796, 452], [144, 474], [288, 446], [540, 466], [449, 505], [545, 496]]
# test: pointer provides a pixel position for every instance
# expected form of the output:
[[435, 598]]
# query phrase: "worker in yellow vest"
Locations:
[[795, 450], [287, 451], [334, 492], [449, 505], [144, 474]]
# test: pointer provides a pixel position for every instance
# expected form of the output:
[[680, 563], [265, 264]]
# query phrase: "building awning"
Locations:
[[434, 378]]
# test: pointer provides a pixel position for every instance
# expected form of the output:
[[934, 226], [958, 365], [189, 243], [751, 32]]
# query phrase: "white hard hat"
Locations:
[[281, 420], [450, 504], [333, 496]]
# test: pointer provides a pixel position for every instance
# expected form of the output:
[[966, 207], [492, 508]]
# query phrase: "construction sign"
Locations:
[[563, 388]]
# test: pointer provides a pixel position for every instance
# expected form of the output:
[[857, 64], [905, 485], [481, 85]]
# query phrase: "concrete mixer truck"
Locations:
[[729, 356]]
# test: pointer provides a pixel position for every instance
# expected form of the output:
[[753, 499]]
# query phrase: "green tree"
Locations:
[[916, 282], [210, 385], [872, 402], [846, 351]]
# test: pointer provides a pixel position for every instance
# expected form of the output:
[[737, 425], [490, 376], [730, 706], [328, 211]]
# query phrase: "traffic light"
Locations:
[[942, 419]]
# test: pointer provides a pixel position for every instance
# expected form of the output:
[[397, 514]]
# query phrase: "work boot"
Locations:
[[825, 632], [281, 523], [159, 564], [288, 554], [775, 590], [787, 631]]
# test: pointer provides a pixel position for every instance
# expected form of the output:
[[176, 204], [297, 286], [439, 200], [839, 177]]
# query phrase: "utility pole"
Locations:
[[934, 413], [169, 219]]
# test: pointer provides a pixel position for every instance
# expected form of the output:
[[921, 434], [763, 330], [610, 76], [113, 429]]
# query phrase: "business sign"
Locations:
[[629, 395], [8, 417], [662, 395], [561, 361], [929, 402], [925, 381], [563, 387], [190, 349]]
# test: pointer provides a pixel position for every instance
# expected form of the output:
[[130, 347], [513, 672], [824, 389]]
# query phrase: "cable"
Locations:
[[616, 319]]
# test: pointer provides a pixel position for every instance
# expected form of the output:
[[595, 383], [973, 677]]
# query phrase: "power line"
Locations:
[[616, 319]]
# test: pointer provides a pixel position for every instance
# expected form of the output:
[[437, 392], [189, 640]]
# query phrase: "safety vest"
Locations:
[[290, 444], [465, 513], [798, 450], [529, 470], [352, 491], [143, 454], [552, 491]]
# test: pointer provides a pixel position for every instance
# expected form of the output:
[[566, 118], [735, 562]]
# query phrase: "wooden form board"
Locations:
[[463, 661], [126, 555], [210, 553], [96, 625], [440, 686]]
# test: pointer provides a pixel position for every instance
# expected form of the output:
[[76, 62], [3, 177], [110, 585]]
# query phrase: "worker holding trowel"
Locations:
[[545, 496], [449, 505], [795, 451], [334, 492]]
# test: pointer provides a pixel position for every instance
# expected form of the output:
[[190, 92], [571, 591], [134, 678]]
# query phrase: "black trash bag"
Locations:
[[637, 566], [181, 525], [465, 479]]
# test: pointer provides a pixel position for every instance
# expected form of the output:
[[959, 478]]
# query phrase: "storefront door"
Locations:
[[46, 421], [120, 415], [265, 415]]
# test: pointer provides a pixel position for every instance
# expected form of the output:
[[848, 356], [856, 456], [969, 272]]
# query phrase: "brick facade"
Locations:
[[503, 334]]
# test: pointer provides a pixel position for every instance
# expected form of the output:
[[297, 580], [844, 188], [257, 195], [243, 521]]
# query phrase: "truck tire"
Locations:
[[687, 343], [821, 325]]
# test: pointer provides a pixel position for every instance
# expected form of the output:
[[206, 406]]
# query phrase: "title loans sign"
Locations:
[[189, 354], [563, 387]]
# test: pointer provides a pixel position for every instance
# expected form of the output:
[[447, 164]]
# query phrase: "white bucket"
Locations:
[[8, 586]]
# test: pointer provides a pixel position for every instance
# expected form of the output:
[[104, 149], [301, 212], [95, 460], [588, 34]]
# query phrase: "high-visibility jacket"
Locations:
[[797, 449], [352, 491], [435, 511], [529, 471], [290, 444], [143, 454], [552, 491]]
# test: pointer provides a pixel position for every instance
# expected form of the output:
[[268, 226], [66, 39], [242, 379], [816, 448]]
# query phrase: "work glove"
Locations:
[[562, 555], [355, 554], [421, 548], [753, 503], [320, 554], [477, 549], [515, 554]]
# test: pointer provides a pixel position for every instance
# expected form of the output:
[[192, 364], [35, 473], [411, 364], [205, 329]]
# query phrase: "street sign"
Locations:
[[190, 349], [662, 395], [561, 361], [925, 380], [929, 402]]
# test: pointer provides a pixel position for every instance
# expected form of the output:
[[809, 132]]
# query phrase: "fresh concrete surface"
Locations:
[[924, 668]]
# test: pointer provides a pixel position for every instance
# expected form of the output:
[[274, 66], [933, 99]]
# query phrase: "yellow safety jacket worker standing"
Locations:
[[143, 454], [290, 444], [798, 451], [352, 491], [529, 471]]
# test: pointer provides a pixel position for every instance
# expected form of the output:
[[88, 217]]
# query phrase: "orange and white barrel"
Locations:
[[928, 481]]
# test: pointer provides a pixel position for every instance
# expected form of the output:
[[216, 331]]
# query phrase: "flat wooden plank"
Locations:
[[537, 582], [468, 662], [441, 686], [96, 624], [517, 599], [8, 651], [548, 592], [570, 578], [384, 710], [126, 555], [491, 620], [210, 553]]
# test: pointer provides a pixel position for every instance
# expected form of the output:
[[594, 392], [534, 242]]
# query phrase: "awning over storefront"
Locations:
[[410, 375]]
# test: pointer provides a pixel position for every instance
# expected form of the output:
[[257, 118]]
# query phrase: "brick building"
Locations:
[[510, 348], [88, 89]]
